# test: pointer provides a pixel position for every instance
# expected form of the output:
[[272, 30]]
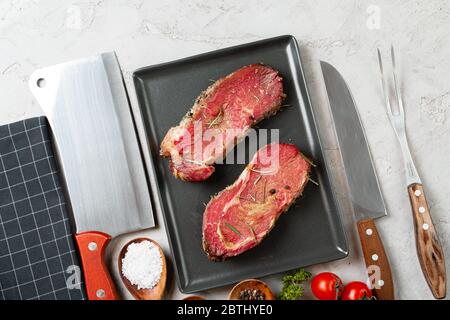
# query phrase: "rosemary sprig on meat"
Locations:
[[262, 172], [233, 229], [251, 231], [216, 120], [199, 163], [246, 199], [264, 191], [308, 160], [313, 181], [257, 180]]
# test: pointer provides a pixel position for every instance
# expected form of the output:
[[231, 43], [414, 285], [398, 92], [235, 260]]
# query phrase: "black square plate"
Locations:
[[309, 233]]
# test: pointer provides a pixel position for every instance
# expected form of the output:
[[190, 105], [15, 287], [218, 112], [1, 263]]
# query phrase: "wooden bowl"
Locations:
[[194, 298], [155, 293], [251, 284]]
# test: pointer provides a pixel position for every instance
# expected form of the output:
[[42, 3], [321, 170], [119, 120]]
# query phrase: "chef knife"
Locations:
[[87, 107], [364, 189]]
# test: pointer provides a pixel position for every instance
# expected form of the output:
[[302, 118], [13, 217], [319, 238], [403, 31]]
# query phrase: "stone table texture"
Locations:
[[37, 33]]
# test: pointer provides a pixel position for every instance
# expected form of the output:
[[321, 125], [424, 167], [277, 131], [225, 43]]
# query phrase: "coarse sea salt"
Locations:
[[142, 264]]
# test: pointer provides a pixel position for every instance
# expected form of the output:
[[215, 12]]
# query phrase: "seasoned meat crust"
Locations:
[[239, 217], [219, 118]]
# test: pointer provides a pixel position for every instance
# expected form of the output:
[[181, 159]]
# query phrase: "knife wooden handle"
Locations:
[[429, 250], [375, 256], [99, 285]]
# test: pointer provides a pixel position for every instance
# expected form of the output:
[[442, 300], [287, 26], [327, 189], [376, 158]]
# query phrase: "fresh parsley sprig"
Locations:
[[292, 285]]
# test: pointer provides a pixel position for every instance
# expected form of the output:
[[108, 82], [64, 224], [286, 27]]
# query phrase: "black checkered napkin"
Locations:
[[37, 256]]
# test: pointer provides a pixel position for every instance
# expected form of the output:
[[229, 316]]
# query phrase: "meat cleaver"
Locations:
[[95, 139]]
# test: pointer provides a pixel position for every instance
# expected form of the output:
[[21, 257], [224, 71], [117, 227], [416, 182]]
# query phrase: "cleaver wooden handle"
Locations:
[[377, 262], [99, 284], [429, 249]]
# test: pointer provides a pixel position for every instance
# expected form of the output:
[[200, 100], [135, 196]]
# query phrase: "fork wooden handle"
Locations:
[[429, 250], [377, 262]]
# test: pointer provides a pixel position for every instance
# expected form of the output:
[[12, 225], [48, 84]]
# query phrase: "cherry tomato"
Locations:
[[327, 286], [357, 290]]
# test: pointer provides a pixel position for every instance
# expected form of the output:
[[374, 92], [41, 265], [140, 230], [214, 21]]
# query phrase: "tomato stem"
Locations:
[[337, 289]]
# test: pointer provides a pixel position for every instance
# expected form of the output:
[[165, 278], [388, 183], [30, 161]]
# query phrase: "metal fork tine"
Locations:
[[396, 86], [383, 84]]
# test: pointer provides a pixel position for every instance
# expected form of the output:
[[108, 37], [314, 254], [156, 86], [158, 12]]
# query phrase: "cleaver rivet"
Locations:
[[426, 226], [421, 209], [374, 257], [100, 293], [92, 246], [369, 232], [380, 283], [417, 193]]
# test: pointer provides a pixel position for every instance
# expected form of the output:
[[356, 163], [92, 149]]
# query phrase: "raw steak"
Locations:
[[240, 216], [220, 117]]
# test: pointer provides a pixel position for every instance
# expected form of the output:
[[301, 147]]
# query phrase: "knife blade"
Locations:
[[364, 189], [87, 107]]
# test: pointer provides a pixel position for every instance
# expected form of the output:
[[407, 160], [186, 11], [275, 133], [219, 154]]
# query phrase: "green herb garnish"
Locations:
[[252, 231], [264, 191], [308, 160], [257, 180], [313, 181], [233, 229], [292, 285], [216, 120]]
